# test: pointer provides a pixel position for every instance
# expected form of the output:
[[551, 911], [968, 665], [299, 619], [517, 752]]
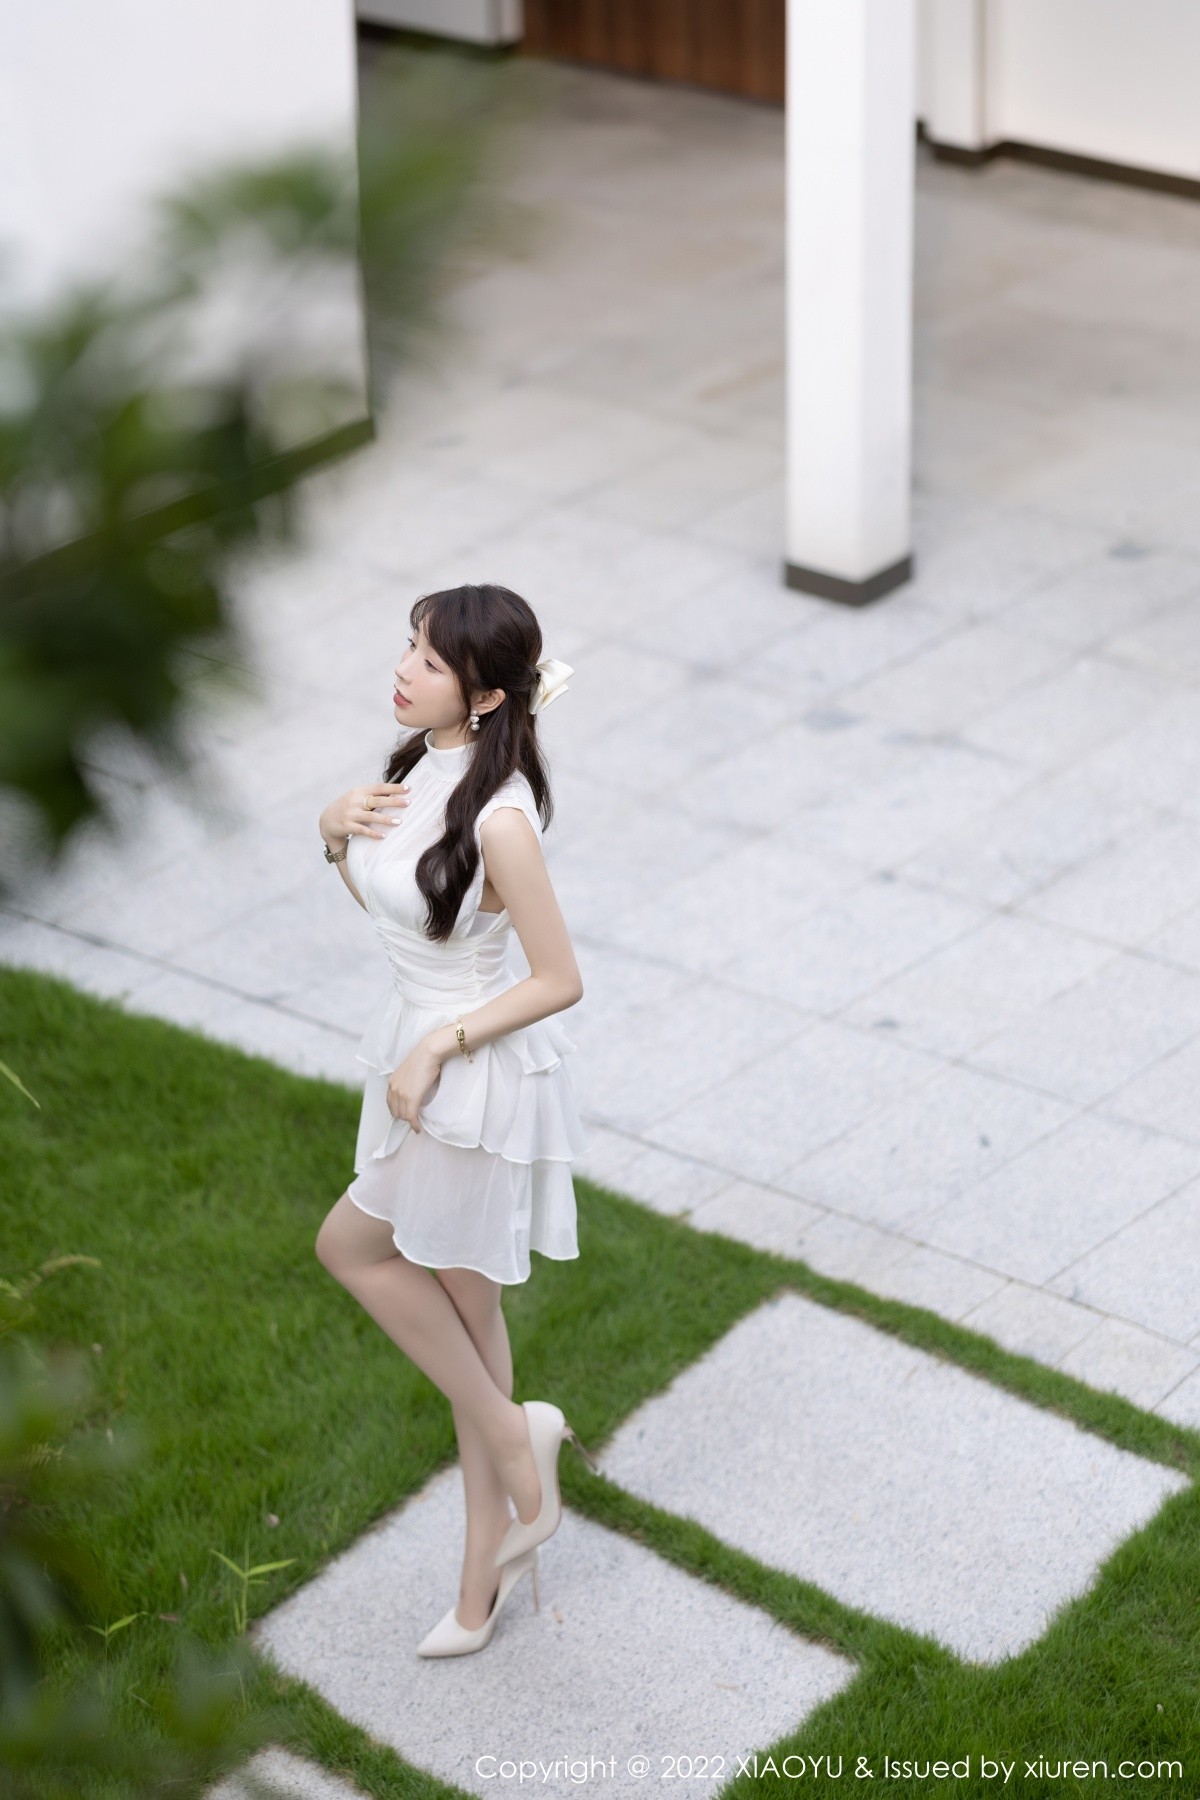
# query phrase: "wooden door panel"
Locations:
[[733, 45]]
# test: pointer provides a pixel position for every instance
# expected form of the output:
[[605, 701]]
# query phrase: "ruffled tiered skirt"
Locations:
[[487, 1178]]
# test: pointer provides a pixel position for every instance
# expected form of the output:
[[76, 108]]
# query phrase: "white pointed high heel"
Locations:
[[547, 1429], [449, 1638]]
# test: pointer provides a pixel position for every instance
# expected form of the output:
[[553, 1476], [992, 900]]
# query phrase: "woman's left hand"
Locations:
[[412, 1084]]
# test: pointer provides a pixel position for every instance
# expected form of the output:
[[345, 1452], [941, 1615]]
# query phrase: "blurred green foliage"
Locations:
[[51, 1740], [151, 429]]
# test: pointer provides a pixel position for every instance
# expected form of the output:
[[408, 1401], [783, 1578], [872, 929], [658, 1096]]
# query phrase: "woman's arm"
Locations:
[[348, 814], [516, 868], [336, 844]]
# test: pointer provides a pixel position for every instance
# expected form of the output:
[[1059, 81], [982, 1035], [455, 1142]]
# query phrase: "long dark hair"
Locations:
[[488, 637]]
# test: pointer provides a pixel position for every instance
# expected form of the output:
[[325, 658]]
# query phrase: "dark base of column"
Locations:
[[848, 593]]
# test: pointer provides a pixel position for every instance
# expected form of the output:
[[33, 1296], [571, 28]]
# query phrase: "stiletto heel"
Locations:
[[449, 1638], [586, 1454], [547, 1428]]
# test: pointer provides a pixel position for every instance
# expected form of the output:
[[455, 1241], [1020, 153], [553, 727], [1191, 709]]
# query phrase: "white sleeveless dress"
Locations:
[[487, 1178]]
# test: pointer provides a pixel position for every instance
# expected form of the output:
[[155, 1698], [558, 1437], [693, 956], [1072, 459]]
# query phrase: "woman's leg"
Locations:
[[417, 1313], [477, 1300]]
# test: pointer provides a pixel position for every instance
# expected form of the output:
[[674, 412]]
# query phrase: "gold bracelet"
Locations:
[[462, 1042]]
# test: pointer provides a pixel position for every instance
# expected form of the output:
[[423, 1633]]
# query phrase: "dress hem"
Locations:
[[520, 1162], [422, 1262]]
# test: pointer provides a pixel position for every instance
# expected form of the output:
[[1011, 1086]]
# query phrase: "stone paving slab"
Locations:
[[1002, 854], [628, 1655], [1182, 1402], [925, 1148], [1157, 763], [949, 1285], [969, 991], [1164, 1097], [1077, 707], [646, 1059], [914, 1490], [762, 1216], [843, 950], [1112, 1276], [929, 787], [1091, 602], [279, 1774], [960, 678], [1031, 1321], [1126, 1359], [1096, 1036], [1074, 1189], [757, 1129], [1167, 641], [1129, 1359], [1131, 890], [767, 885], [670, 1183], [1179, 941]]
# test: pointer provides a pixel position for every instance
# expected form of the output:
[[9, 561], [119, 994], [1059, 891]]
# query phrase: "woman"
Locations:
[[468, 1120]]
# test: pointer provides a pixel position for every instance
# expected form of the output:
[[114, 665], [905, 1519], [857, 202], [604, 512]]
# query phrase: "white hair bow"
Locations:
[[551, 682]]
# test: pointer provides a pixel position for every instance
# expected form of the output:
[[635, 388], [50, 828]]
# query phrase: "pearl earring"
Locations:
[[474, 721]]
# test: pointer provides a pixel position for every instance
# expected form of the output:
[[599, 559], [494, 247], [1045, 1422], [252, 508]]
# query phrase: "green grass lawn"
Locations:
[[198, 1176]]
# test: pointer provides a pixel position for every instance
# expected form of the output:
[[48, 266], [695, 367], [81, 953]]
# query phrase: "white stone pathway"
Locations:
[[899, 1483], [628, 1655], [279, 1774], [902, 1485], [889, 921]]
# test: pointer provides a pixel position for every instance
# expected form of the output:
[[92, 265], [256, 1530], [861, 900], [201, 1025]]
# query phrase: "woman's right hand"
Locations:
[[349, 815]]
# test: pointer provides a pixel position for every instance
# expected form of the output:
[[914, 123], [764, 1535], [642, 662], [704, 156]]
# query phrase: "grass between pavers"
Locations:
[[199, 1176]]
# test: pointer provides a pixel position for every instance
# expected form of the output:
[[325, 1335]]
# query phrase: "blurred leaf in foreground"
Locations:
[[153, 427]]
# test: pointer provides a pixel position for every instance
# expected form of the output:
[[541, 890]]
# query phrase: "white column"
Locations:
[[850, 156]]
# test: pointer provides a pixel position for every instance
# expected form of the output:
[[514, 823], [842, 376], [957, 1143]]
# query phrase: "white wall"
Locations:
[[103, 105], [1115, 79]]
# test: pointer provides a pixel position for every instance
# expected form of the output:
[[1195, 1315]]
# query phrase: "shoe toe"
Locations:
[[441, 1640]]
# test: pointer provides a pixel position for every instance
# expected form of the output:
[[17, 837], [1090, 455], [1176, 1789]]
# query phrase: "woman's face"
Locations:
[[426, 692]]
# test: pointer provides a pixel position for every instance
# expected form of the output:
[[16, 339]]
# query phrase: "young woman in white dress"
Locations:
[[468, 1120]]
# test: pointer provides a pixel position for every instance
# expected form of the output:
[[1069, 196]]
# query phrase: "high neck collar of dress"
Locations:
[[452, 762]]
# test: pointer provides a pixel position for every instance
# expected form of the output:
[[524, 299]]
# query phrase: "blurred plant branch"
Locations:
[[153, 429]]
